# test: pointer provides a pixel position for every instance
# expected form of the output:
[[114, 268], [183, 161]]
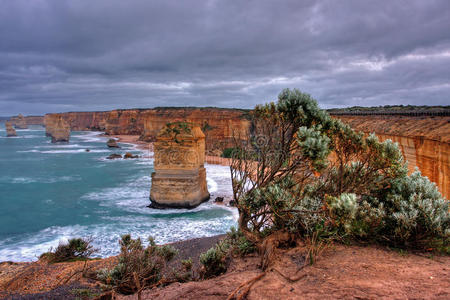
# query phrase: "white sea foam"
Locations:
[[26, 180], [90, 136], [129, 199], [105, 236], [60, 146], [82, 150]]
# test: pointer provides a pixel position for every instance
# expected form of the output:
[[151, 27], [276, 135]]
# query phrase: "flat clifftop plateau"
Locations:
[[424, 142], [343, 272], [218, 124], [428, 127]]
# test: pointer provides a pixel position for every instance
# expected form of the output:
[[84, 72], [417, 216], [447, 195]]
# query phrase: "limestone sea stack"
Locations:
[[59, 131], [10, 131], [50, 123], [20, 122], [179, 179]]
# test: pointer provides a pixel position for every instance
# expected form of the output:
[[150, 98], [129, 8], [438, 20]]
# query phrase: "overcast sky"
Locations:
[[86, 55]]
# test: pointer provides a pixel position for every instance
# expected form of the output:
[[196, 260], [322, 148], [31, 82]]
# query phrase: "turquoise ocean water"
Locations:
[[52, 192]]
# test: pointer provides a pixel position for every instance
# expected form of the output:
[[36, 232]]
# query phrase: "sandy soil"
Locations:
[[134, 139], [39, 280], [343, 272]]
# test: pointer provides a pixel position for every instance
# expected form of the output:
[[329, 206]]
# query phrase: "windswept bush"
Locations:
[[139, 267], [214, 260], [73, 249], [416, 213], [303, 172]]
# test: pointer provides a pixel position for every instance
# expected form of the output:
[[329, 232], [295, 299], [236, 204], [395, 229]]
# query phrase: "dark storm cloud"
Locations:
[[104, 54]]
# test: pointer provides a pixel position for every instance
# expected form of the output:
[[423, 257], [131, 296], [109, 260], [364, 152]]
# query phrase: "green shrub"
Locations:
[[228, 152], [138, 266], [213, 261], [416, 213], [312, 175], [238, 243], [73, 249]]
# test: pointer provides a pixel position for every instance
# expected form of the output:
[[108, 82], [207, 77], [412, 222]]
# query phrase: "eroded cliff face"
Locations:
[[19, 122], [424, 142], [10, 131], [57, 128], [179, 179], [219, 125]]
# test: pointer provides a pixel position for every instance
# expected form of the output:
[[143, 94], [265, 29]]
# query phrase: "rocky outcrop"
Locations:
[[112, 143], [29, 120], [179, 179], [58, 129], [130, 155], [424, 142], [219, 125], [19, 122], [50, 121], [10, 131]]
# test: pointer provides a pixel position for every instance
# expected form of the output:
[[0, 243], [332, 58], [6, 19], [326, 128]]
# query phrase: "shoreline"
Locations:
[[146, 148]]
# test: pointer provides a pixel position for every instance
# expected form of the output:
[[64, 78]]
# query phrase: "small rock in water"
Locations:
[[232, 203], [130, 155], [88, 150], [114, 156], [112, 143], [218, 199]]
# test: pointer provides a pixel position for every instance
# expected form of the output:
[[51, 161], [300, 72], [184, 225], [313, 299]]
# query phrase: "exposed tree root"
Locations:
[[82, 271], [291, 279], [248, 284], [267, 249]]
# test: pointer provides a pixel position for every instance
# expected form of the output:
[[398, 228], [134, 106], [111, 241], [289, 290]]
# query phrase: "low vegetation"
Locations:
[[306, 174], [214, 261], [300, 176], [73, 249], [138, 267]]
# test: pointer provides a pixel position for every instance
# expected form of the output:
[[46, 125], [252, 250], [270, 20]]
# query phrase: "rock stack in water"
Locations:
[[20, 122], [10, 131], [59, 130], [112, 143], [179, 179]]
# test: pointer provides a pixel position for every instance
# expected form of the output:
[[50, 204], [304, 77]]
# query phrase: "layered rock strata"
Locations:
[[179, 179], [424, 142], [219, 125], [58, 130], [19, 122], [10, 131]]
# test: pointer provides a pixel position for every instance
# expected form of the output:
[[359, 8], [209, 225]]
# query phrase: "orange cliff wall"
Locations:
[[424, 142], [219, 125], [30, 120]]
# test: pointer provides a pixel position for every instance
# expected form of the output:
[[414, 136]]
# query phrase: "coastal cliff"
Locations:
[[27, 120], [19, 122], [424, 142], [219, 125]]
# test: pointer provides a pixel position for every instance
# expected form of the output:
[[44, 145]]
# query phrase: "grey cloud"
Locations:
[[105, 54]]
